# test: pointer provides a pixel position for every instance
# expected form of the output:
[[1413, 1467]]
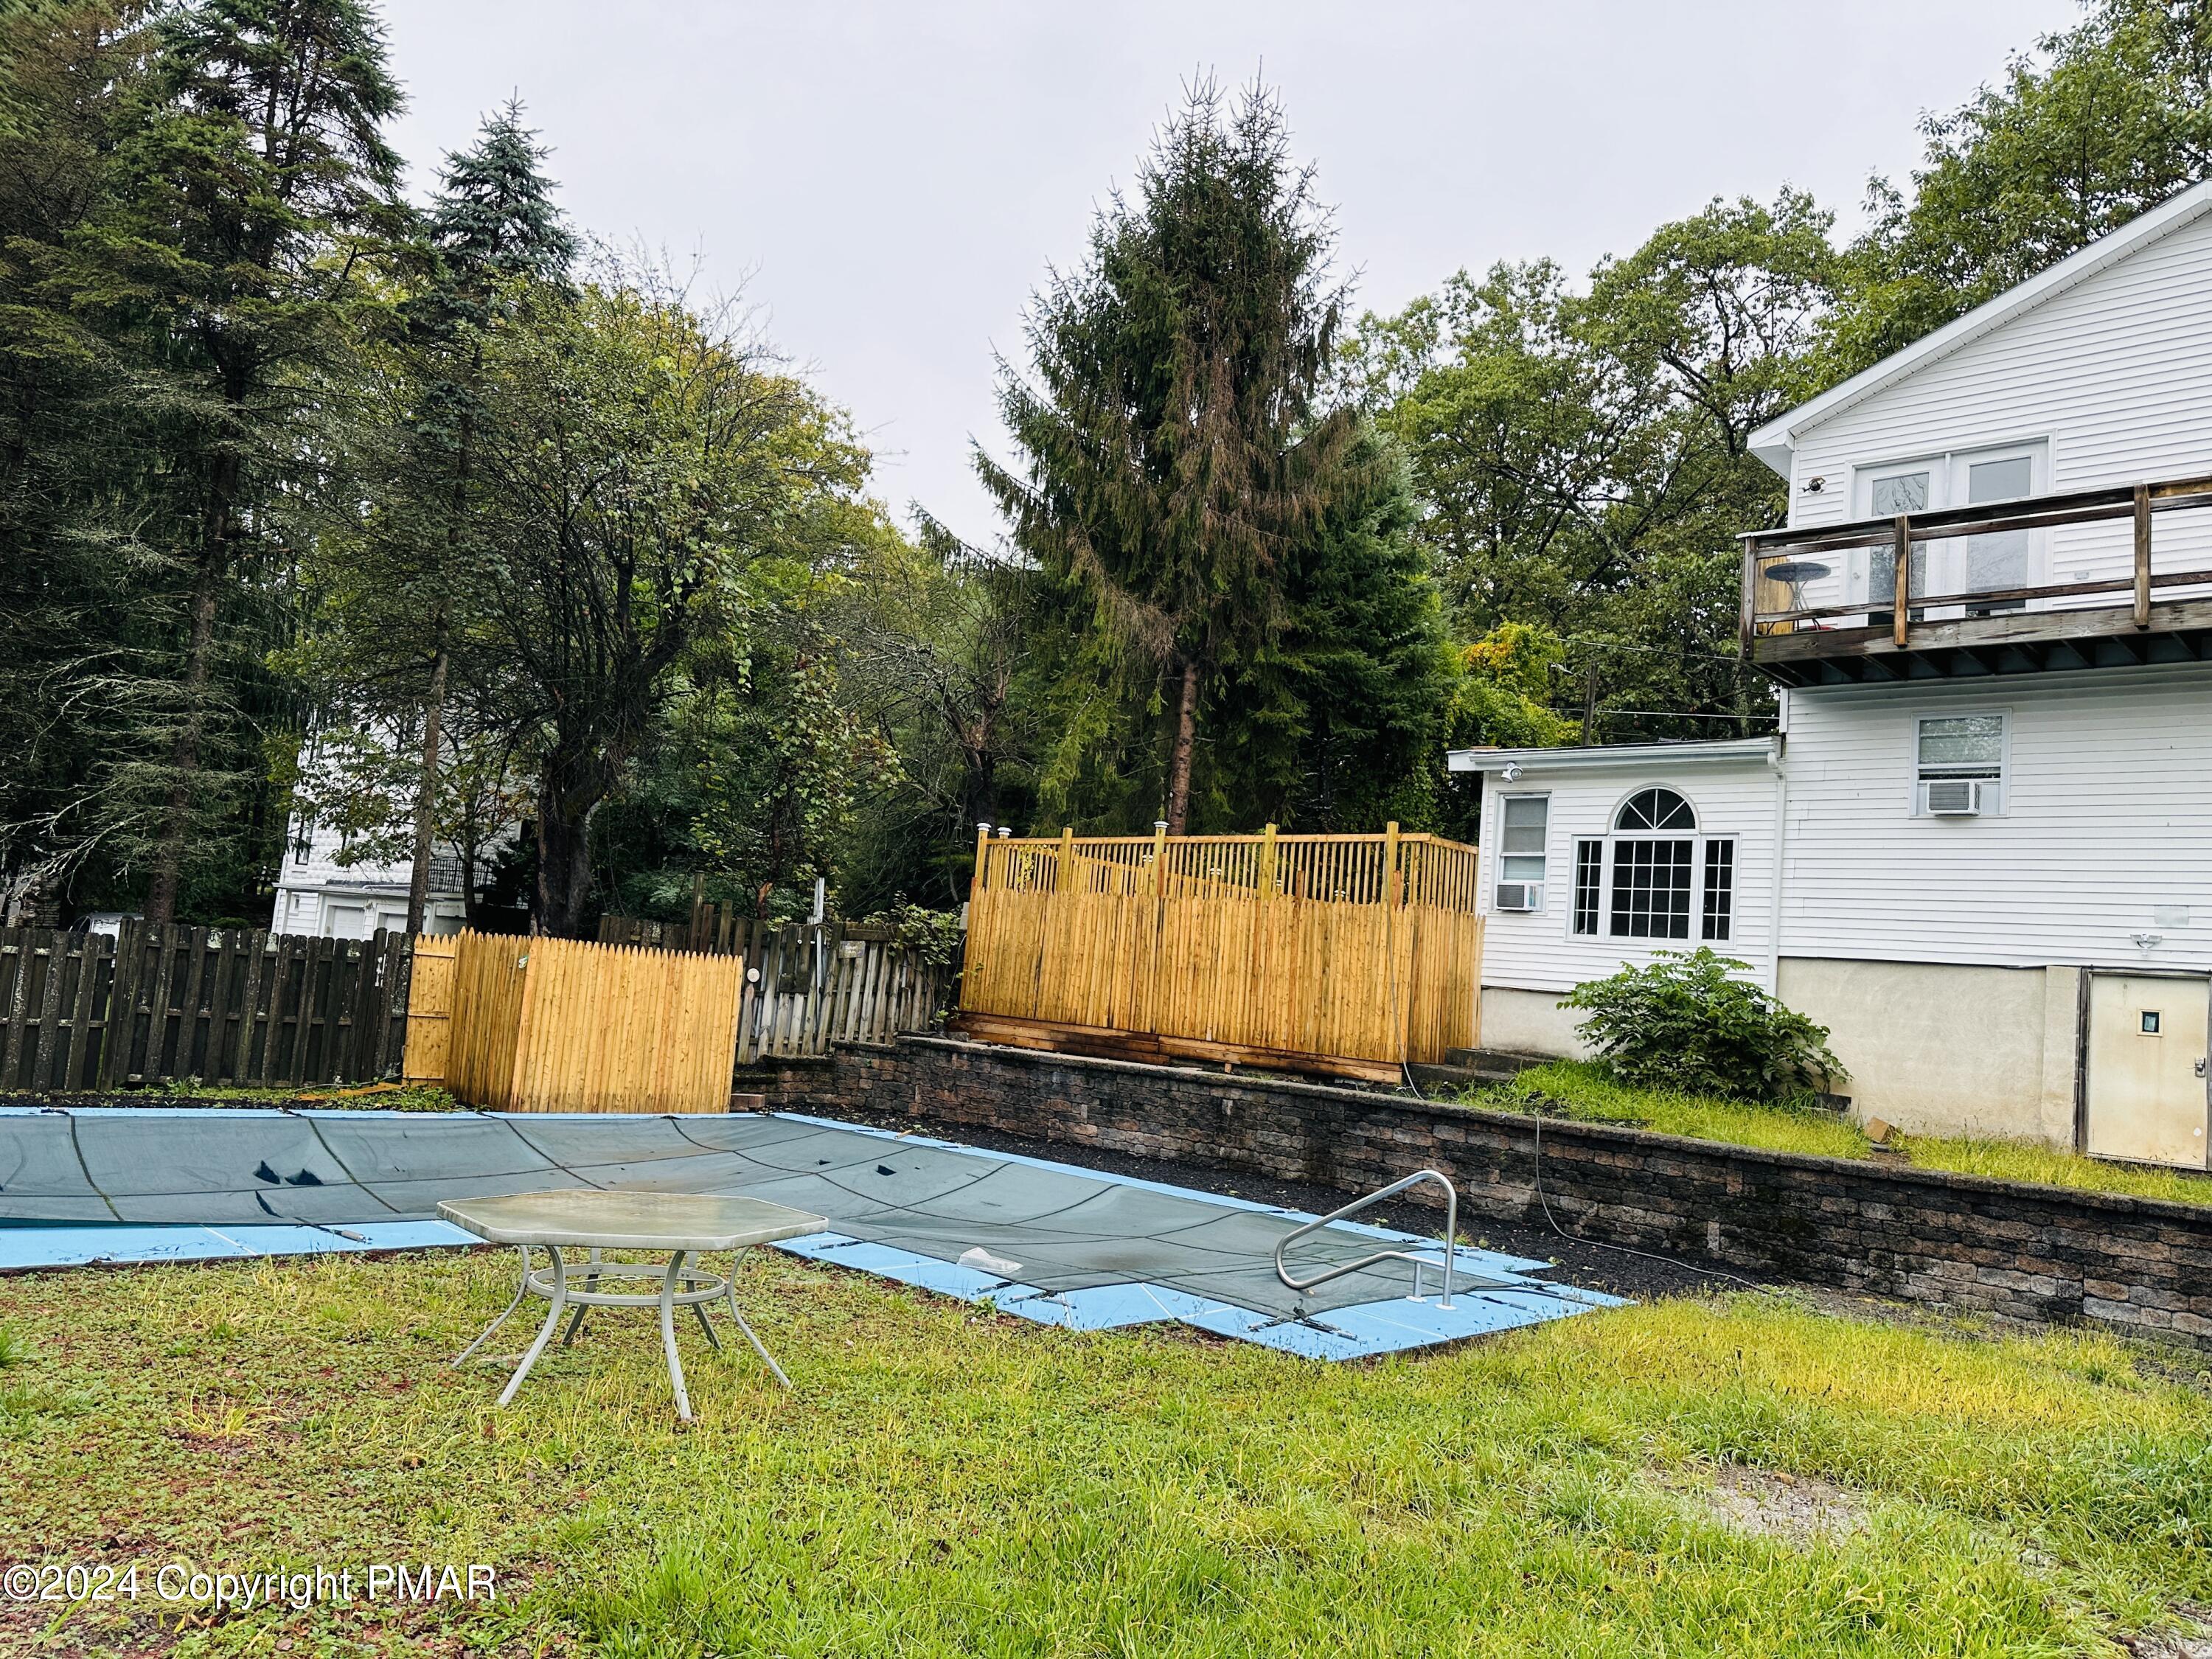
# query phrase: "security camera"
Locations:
[[1512, 772]]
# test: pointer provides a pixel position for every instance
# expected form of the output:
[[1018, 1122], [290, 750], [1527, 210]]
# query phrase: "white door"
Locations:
[[2147, 1099], [345, 920], [1952, 567]]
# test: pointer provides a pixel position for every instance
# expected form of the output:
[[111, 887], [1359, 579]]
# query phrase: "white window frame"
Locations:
[[1697, 836], [1497, 875], [1574, 881], [1947, 473], [1916, 801]]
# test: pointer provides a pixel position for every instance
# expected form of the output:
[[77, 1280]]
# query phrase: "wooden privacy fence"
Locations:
[[1342, 954], [561, 1025], [806, 985], [223, 1005]]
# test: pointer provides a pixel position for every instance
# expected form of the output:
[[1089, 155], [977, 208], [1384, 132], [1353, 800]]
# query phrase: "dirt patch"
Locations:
[[2192, 1640], [1773, 1503]]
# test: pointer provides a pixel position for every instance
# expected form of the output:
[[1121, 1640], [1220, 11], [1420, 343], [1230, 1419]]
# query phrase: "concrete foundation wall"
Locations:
[[1933, 1048], [1517, 1022], [1941, 1049]]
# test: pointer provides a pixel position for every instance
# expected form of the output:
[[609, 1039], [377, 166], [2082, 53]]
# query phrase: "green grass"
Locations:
[[333, 1097], [1587, 1091], [948, 1481]]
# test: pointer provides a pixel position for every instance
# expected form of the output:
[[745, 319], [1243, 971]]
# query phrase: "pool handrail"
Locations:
[[1451, 1237]]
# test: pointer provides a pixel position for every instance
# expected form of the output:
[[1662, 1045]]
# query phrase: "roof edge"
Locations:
[[1776, 442], [1696, 752]]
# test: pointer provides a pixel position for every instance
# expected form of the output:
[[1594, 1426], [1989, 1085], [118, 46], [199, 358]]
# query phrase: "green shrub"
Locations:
[[1683, 1023]]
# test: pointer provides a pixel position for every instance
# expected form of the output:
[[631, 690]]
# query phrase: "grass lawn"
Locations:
[[1738, 1476], [1583, 1090], [191, 1092]]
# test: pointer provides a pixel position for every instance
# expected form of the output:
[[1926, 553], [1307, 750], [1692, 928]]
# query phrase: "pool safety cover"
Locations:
[[1049, 1241]]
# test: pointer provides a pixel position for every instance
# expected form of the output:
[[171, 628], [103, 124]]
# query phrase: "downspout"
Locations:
[[1775, 759]]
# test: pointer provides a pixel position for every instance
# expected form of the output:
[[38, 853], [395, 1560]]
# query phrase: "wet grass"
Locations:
[[945, 1480], [191, 1092], [1588, 1092]]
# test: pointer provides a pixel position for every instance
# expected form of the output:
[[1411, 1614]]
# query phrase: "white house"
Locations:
[[317, 894], [1980, 848]]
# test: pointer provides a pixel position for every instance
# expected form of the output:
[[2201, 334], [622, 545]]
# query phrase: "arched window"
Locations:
[[1647, 873], [1655, 809]]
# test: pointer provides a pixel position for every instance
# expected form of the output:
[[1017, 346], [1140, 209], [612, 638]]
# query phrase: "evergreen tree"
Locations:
[[1338, 722], [253, 177], [1176, 454], [85, 618]]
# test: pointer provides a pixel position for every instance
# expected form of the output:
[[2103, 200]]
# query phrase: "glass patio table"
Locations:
[[681, 1225]]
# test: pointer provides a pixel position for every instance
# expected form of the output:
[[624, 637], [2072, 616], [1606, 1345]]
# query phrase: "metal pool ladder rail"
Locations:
[[1451, 1238]]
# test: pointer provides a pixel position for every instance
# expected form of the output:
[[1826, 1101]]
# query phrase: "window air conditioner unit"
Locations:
[[1954, 798], [1519, 895]]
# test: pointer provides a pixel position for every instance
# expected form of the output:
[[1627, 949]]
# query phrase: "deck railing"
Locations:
[[1873, 581]]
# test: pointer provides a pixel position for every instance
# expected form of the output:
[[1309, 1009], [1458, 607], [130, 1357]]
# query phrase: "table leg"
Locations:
[[521, 1290], [759, 1347], [668, 1333], [591, 1283], [545, 1331]]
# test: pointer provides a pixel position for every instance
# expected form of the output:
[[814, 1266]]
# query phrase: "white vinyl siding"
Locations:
[[2110, 379], [2106, 831], [1735, 801]]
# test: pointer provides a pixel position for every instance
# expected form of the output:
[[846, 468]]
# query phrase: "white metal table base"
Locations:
[[680, 1287]]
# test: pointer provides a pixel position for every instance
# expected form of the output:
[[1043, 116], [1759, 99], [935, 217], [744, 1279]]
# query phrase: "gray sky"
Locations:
[[888, 181]]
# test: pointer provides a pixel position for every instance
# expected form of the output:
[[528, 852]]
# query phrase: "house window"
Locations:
[[1953, 568], [1589, 884], [1652, 873], [1959, 764], [1522, 822], [1720, 890], [1651, 890]]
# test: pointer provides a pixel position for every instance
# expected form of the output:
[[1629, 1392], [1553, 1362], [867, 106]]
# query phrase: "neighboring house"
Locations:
[[1980, 849], [317, 894]]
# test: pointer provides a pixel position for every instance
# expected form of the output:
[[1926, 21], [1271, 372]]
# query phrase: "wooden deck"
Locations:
[[2132, 596]]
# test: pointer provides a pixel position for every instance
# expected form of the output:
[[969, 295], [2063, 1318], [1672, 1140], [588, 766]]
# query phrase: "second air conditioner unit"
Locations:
[[1953, 798], [1518, 895]]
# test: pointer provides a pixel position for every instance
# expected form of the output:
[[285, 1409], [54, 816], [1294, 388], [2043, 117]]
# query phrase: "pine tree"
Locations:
[[1177, 454], [252, 182], [83, 608]]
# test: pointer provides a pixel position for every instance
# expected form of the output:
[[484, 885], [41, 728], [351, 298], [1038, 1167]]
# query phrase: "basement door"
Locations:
[[2146, 1099]]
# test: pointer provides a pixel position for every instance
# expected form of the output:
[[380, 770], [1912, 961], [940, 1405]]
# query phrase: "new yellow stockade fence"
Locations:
[[561, 1025], [1361, 946]]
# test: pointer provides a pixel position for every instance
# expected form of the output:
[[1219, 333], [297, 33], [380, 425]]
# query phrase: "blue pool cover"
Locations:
[[1070, 1246]]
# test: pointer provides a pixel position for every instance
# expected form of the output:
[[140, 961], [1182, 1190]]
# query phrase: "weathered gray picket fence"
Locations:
[[807, 986], [226, 1005]]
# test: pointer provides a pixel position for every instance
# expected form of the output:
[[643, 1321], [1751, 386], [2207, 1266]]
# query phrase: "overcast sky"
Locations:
[[888, 181]]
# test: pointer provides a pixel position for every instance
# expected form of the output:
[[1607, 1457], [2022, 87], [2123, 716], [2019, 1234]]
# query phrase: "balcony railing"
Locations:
[[2077, 580]]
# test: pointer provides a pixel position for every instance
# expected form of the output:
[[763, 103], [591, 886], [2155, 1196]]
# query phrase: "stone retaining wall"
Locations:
[[2037, 1253]]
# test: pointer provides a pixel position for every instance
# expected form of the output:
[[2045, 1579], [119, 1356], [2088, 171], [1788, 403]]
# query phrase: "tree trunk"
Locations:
[[1186, 739], [564, 853], [185, 756], [426, 790]]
